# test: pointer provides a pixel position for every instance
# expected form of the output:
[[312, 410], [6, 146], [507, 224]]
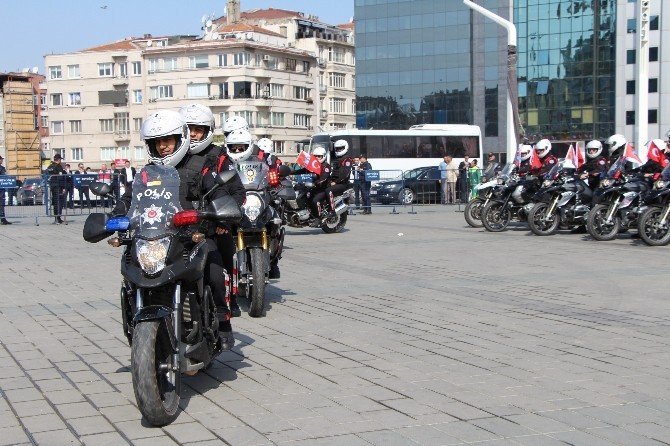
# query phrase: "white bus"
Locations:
[[420, 146]]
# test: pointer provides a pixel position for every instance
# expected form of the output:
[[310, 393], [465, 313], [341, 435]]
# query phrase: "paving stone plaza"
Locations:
[[409, 329]]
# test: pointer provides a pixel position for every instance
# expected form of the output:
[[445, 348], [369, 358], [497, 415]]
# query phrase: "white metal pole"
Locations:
[[511, 41], [642, 77]]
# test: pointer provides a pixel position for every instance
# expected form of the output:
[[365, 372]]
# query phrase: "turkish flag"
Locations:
[[655, 154], [309, 162], [630, 155], [535, 162]]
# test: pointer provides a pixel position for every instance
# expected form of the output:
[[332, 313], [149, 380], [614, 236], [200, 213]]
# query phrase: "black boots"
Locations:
[[234, 307], [3, 221], [274, 271]]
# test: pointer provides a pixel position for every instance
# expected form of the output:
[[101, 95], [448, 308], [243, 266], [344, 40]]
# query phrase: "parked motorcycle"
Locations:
[[618, 203], [298, 214], [654, 223], [168, 312], [484, 190], [563, 202], [511, 200]]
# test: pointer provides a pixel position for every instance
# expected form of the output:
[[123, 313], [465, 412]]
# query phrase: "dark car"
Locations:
[[417, 185], [31, 192]]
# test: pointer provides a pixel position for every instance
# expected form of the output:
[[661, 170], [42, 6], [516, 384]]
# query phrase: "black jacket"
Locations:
[[57, 178], [342, 170]]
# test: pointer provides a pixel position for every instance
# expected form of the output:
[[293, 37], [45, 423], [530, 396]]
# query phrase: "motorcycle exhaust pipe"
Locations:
[[341, 207]]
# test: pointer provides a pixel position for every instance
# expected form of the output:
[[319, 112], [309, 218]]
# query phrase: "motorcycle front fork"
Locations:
[[612, 210], [552, 207]]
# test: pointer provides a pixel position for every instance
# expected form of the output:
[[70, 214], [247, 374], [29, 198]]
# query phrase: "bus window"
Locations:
[[426, 147], [400, 147], [459, 146], [373, 146]]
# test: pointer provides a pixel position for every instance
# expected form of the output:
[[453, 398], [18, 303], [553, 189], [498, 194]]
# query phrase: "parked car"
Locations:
[[31, 192], [417, 185]]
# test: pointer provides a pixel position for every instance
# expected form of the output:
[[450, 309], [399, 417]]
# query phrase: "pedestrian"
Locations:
[[492, 168], [116, 180], [127, 174], [451, 171], [57, 187], [443, 178], [3, 220], [365, 184], [474, 176], [463, 184], [357, 182], [82, 188], [105, 176], [69, 185]]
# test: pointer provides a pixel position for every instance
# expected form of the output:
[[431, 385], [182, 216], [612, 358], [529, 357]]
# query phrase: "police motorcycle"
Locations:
[[563, 201], [618, 203], [485, 192], [168, 312], [260, 230], [512, 199], [654, 222]]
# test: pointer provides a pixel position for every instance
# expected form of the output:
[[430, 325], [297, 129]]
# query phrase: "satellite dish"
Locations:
[[351, 20], [35, 70], [208, 24], [249, 36], [24, 70], [150, 42]]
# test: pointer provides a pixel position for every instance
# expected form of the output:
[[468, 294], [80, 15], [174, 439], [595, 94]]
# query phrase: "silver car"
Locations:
[[31, 192]]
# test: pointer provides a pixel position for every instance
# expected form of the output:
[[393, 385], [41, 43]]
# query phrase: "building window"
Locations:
[[137, 68], [653, 23], [43, 99], [105, 69], [271, 62], [56, 127], [170, 64], [106, 125], [199, 61], [107, 153], [630, 87], [123, 69], [124, 152], [630, 117], [77, 153], [632, 25], [137, 124], [197, 90], [301, 92], [152, 65], [248, 116], [242, 59], [653, 85], [653, 117], [222, 118], [336, 105], [75, 126], [290, 64], [223, 90], [277, 119], [335, 55], [241, 90], [140, 152], [276, 90], [161, 92], [336, 80], [122, 123], [74, 98], [60, 152], [73, 71], [353, 82], [55, 72], [630, 56], [278, 146], [44, 122], [56, 99], [302, 120], [137, 96], [222, 60], [653, 54], [305, 66]]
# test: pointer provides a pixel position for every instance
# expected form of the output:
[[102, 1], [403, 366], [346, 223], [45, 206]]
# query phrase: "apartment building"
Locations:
[[98, 97]]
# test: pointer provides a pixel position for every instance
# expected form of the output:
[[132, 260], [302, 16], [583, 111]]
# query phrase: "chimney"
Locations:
[[232, 11]]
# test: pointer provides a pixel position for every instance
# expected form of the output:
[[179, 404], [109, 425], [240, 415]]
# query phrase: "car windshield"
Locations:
[[411, 174], [32, 182]]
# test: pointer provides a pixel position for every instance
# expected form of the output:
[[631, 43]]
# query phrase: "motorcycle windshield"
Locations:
[[155, 201], [254, 174], [553, 172], [618, 166], [507, 171]]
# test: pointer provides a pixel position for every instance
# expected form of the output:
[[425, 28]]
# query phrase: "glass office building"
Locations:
[[436, 61]]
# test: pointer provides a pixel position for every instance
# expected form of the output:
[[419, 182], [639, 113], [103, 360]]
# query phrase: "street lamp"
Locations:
[[513, 126]]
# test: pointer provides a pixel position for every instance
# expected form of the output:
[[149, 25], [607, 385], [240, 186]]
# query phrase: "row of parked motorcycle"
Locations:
[[624, 201]]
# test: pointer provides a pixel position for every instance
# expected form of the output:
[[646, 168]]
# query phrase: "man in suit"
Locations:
[[463, 184], [127, 174]]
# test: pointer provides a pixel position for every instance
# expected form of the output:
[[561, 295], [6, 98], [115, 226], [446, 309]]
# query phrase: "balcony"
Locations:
[[120, 81], [121, 136]]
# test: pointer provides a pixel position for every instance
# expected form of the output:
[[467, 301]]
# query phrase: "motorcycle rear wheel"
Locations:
[[257, 291], [473, 212], [494, 218], [156, 390], [598, 228], [335, 224], [651, 232], [542, 224]]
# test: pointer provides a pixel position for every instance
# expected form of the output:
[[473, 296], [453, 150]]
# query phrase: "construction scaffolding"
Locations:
[[19, 134]]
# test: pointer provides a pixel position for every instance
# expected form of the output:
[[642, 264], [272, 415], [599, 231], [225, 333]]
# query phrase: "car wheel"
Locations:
[[407, 196]]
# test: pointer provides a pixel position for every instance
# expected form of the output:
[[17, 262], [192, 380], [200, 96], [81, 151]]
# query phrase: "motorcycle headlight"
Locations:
[[253, 206], [607, 182], [660, 184], [152, 254], [547, 183]]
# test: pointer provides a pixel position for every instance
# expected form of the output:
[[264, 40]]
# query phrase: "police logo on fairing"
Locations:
[[601, 162], [250, 174], [152, 214]]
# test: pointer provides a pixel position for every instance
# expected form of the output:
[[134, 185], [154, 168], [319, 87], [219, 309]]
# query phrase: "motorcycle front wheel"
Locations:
[[652, 231], [597, 225], [335, 224], [541, 223], [473, 212], [494, 217], [257, 291], [155, 383]]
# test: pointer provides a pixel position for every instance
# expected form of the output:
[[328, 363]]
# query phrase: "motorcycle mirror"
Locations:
[[225, 208], [284, 171], [100, 189], [225, 177], [94, 227]]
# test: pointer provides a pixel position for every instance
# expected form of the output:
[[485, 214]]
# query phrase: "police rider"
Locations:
[[321, 182], [525, 167], [339, 178], [657, 158], [167, 138], [543, 150], [200, 121], [264, 151], [595, 164]]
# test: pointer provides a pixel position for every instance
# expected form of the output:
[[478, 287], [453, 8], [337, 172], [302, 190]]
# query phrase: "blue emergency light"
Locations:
[[117, 224]]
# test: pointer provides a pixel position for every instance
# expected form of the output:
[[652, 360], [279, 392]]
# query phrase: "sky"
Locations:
[[34, 28]]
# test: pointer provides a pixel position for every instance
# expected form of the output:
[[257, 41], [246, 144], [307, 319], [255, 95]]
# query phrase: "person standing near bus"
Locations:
[[365, 184], [463, 184]]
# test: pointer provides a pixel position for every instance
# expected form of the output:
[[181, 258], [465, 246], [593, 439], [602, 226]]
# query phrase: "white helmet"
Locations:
[[543, 147], [524, 151], [234, 123], [165, 123], [198, 114], [594, 149], [341, 148], [239, 137], [320, 152], [615, 142], [265, 144]]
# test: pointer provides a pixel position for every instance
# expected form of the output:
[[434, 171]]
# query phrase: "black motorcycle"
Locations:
[[618, 203], [563, 202], [654, 223], [298, 214], [168, 312], [511, 200], [485, 190]]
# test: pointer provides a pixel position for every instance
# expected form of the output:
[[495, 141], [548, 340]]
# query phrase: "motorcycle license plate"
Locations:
[[373, 192]]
